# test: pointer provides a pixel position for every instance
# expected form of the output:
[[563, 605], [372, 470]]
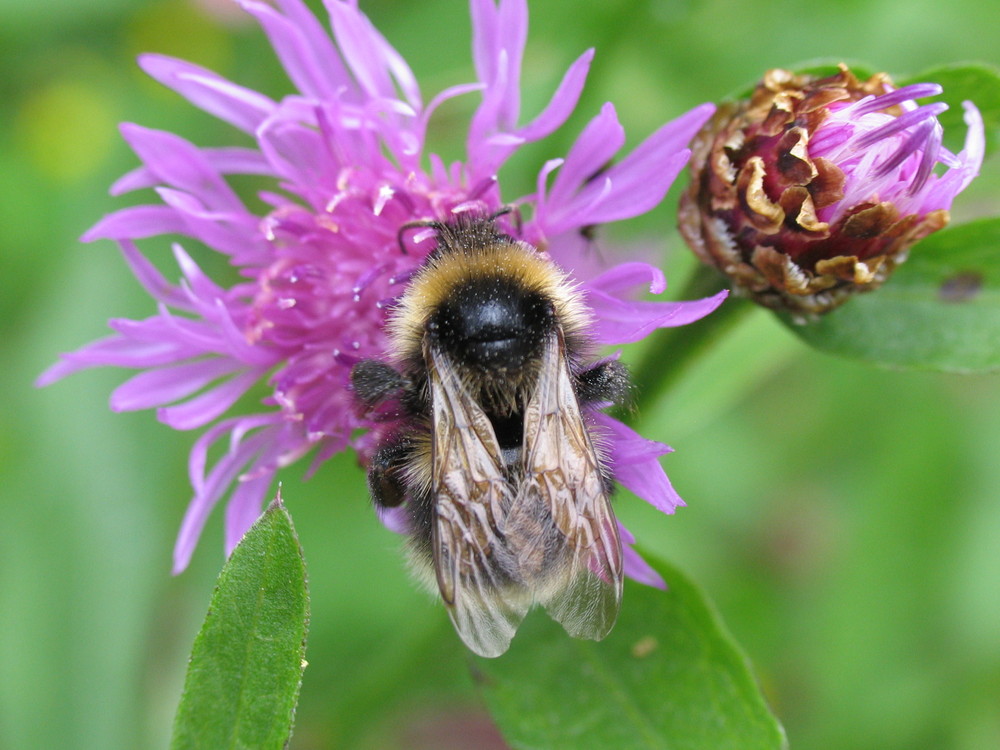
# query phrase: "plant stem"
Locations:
[[673, 350]]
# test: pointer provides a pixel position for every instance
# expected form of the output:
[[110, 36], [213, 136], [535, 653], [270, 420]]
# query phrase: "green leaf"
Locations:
[[668, 676], [246, 665], [977, 83], [939, 311]]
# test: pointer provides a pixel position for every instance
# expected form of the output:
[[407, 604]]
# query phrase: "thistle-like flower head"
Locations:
[[319, 268], [815, 188]]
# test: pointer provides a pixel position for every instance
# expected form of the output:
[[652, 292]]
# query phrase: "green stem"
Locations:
[[674, 350]]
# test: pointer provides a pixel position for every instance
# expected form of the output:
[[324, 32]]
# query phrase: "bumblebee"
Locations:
[[505, 486]]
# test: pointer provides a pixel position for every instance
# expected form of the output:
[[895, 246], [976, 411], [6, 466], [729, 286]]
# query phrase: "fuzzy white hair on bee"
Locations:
[[493, 460]]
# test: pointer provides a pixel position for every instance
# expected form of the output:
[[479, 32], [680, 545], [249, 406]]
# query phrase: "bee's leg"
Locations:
[[608, 382], [385, 475], [375, 381]]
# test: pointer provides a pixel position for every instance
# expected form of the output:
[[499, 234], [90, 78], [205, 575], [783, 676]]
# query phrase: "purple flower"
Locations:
[[815, 188], [320, 267], [892, 155]]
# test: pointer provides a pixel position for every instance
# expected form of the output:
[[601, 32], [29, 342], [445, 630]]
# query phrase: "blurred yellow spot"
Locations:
[[644, 647], [66, 129]]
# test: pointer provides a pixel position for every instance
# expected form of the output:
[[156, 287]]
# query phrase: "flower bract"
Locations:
[[815, 188]]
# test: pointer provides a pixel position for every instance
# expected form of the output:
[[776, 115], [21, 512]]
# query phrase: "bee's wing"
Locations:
[[476, 574], [582, 587]]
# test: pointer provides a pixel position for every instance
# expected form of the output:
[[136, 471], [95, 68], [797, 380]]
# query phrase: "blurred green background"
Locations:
[[845, 520]]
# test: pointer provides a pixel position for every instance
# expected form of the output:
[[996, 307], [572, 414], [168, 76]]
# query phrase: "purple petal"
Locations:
[[194, 336], [896, 96], [187, 538], [136, 223], [151, 279], [535, 228], [116, 351], [922, 141], [638, 569], [563, 102], [223, 474], [674, 136], [299, 154], [636, 465], [395, 519], [505, 141], [312, 73], [235, 234], [128, 350], [318, 42], [974, 151], [631, 190], [621, 321], [232, 233], [513, 36], [209, 406], [633, 186], [449, 93], [499, 34], [165, 385], [234, 104], [179, 164], [84, 358], [625, 277], [591, 152], [234, 341], [941, 192], [137, 179], [202, 287], [898, 124], [572, 251], [399, 126], [244, 507], [237, 428], [374, 62], [222, 160], [484, 48], [649, 482], [485, 153]]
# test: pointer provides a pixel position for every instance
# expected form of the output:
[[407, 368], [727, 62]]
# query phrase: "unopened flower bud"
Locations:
[[816, 188]]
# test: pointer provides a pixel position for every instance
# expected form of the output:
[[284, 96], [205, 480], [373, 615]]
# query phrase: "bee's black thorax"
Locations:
[[492, 325]]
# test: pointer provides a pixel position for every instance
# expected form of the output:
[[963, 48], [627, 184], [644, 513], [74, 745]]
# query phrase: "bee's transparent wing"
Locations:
[[476, 574], [581, 584]]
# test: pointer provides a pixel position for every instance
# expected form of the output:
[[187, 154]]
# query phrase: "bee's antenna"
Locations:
[[431, 223], [515, 212]]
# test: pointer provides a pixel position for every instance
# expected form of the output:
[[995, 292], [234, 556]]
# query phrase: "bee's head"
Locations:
[[492, 323], [489, 302]]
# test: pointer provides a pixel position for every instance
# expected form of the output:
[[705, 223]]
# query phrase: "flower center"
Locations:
[[322, 303]]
